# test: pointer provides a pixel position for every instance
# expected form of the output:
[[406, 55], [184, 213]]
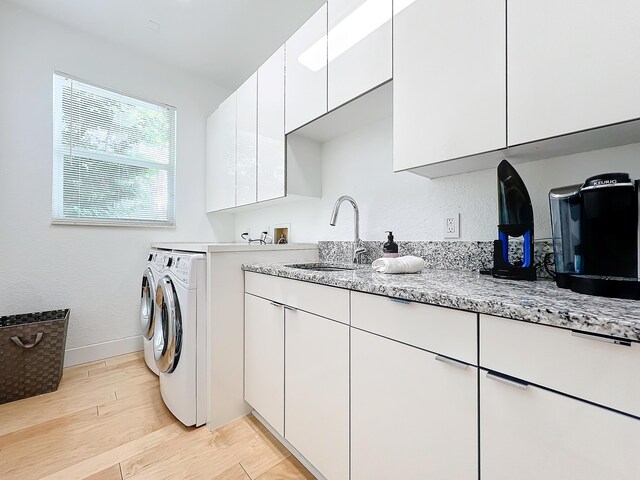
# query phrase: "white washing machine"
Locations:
[[155, 267], [179, 338]]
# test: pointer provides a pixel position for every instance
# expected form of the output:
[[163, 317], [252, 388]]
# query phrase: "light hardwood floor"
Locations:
[[107, 422]]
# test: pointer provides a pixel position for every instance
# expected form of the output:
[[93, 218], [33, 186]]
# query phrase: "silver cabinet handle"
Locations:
[[276, 304], [507, 381], [452, 362], [590, 336], [287, 307], [399, 300]]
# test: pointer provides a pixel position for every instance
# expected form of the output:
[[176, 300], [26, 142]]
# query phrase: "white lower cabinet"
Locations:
[[580, 364], [413, 416], [317, 391], [529, 433], [361, 397], [264, 359]]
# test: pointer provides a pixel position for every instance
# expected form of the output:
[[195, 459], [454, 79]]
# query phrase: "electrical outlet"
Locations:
[[452, 226]]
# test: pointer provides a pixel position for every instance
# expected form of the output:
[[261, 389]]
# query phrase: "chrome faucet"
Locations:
[[356, 251]]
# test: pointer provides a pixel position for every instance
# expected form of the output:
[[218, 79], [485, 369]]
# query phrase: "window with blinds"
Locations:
[[114, 157]]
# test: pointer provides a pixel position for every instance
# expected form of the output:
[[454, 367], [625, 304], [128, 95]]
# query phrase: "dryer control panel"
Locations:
[[157, 260]]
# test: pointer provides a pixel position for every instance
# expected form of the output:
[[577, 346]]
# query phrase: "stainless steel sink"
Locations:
[[319, 267], [329, 269]]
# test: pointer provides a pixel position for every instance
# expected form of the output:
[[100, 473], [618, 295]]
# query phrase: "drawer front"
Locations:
[[449, 332], [320, 300], [580, 365]]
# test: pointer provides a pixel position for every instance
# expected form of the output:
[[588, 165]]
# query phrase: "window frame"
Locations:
[[57, 191]]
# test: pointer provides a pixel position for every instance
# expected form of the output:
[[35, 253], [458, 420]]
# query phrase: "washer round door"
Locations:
[[147, 303], [167, 333]]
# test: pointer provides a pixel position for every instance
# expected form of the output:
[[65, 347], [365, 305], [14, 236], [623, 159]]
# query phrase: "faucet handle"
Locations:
[[358, 253]]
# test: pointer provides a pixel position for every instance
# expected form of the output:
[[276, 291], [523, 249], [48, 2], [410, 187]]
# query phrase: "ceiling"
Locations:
[[222, 40]]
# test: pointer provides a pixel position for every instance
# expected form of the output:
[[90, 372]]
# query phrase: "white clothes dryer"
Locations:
[[150, 277], [179, 338]]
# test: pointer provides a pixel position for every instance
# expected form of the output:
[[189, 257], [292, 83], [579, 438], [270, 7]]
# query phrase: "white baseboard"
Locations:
[[313, 470], [99, 351]]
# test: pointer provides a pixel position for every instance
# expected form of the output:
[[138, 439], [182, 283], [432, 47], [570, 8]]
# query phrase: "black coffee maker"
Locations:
[[595, 236]]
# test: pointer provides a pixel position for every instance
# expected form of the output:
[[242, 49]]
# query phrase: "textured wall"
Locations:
[[360, 164], [96, 271]]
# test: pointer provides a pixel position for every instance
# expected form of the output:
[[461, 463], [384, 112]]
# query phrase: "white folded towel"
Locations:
[[407, 264]]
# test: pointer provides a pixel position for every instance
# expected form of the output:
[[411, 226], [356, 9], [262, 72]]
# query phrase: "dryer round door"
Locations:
[[147, 303], [167, 333]]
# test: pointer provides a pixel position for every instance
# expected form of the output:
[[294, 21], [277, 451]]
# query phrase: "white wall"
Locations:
[[360, 164], [95, 271]]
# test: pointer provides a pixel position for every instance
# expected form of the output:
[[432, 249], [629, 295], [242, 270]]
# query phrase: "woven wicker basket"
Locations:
[[31, 353]]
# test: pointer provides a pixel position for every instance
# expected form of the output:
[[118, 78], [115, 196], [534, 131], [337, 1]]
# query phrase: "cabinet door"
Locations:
[[247, 135], [264, 359], [573, 65], [449, 80], [221, 156], [306, 79], [359, 46], [317, 391], [271, 140], [533, 434], [412, 416], [213, 127]]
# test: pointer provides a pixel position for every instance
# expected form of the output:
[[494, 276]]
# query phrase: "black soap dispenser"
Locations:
[[390, 248]]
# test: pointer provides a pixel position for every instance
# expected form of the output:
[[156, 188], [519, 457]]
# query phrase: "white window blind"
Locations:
[[114, 157]]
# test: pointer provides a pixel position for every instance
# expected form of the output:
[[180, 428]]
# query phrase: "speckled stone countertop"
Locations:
[[538, 302]]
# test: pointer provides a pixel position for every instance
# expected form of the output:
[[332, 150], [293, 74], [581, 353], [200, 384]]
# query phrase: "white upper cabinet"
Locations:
[[211, 175], [271, 139], [306, 70], [246, 141], [221, 157], [449, 77], [359, 46], [573, 65]]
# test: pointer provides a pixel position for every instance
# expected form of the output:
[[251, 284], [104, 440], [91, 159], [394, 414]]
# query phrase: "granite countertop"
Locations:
[[538, 302]]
